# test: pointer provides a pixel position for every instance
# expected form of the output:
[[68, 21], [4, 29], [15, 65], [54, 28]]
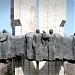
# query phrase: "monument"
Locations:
[[37, 46]]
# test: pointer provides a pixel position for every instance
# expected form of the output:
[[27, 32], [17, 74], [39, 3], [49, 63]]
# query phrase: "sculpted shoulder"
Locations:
[[30, 34], [3, 36]]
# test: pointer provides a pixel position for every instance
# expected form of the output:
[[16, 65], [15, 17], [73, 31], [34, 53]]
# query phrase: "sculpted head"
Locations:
[[50, 31], [4, 31], [37, 31]]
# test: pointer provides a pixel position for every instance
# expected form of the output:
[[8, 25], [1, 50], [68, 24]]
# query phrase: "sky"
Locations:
[[70, 17], [5, 17]]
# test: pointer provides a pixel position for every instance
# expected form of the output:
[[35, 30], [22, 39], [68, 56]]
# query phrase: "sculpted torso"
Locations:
[[38, 39], [29, 46]]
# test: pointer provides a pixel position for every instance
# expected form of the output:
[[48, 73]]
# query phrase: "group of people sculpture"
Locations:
[[37, 46]]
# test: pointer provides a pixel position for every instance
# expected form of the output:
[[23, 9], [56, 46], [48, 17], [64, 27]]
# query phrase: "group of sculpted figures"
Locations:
[[37, 46]]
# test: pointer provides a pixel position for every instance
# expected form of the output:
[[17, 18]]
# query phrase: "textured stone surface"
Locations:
[[58, 46], [51, 47], [0, 47], [68, 51], [29, 46], [3, 69], [20, 46], [44, 46], [73, 45], [5, 43], [37, 46], [13, 51]]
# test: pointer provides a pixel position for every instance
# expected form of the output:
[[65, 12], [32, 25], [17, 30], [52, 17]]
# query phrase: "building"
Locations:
[[24, 14], [28, 15], [38, 14], [51, 15]]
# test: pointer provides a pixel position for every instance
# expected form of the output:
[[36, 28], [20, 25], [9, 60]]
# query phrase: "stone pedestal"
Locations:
[[25, 67], [62, 70], [19, 67]]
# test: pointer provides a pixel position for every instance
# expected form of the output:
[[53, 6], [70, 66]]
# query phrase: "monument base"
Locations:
[[26, 67]]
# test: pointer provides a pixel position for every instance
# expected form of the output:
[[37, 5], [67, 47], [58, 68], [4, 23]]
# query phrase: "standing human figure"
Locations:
[[5, 44], [29, 46], [37, 38], [51, 45]]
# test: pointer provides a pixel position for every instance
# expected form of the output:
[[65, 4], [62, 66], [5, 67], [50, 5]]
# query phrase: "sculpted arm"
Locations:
[[34, 39]]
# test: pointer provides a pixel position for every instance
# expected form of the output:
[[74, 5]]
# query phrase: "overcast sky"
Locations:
[[5, 18]]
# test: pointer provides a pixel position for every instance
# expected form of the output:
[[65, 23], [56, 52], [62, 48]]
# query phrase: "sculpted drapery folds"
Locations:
[[37, 38], [51, 46], [5, 42], [37, 46], [44, 46], [29, 46]]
